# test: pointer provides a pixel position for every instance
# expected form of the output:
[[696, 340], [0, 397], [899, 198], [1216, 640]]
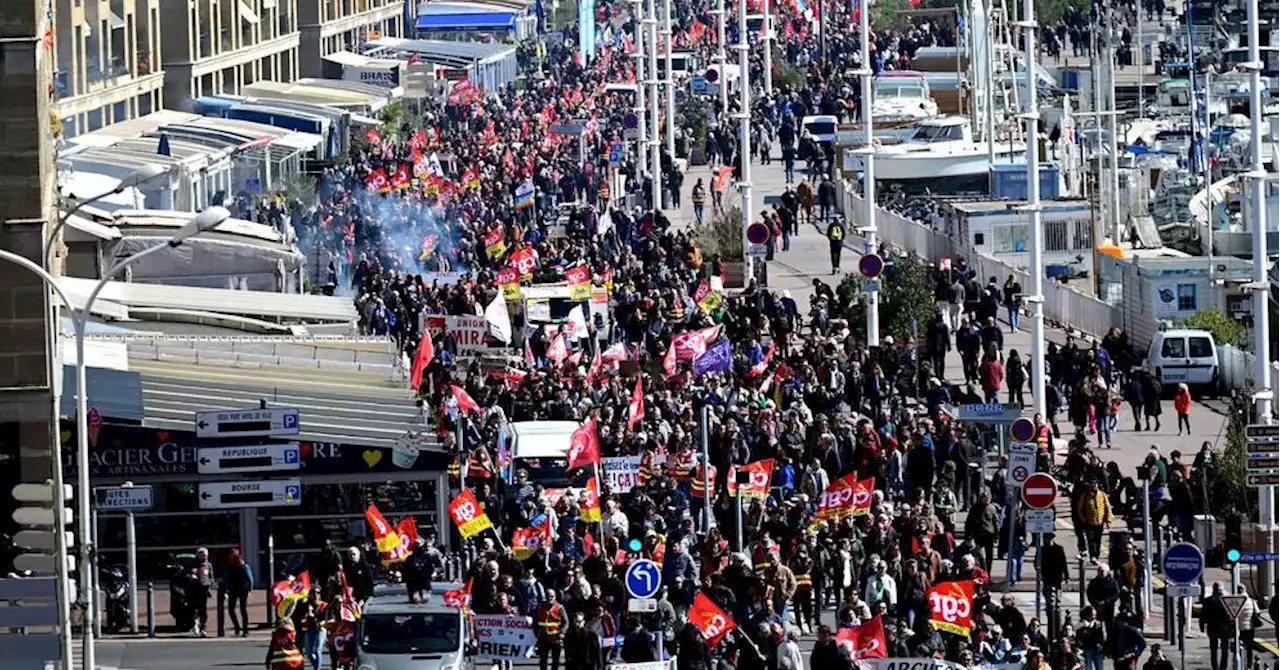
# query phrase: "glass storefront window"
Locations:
[[164, 539], [335, 513]]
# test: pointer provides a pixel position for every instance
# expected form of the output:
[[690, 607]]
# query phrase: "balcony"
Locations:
[[114, 69]]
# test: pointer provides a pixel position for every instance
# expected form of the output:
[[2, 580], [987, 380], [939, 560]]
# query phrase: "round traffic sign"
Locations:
[[1022, 430], [871, 265], [758, 233], [629, 120], [712, 75], [1039, 491], [643, 578], [1183, 563]]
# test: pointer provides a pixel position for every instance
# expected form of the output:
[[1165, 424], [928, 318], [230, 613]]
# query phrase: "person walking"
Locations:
[[283, 653], [1134, 395], [699, 198], [238, 582], [581, 646], [202, 572], [835, 238], [1016, 375], [982, 525], [1182, 405], [991, 374], [1094, 512], [1220, 627], [1013, 302], [1151, 392], [551, 621]]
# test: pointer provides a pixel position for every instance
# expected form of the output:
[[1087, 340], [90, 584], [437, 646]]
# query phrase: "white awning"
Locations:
[[302, 141], [114, 20], [247, 14], [363, 120]]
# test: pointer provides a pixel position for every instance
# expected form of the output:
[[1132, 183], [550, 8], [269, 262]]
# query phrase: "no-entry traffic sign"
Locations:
[[1039, 491]]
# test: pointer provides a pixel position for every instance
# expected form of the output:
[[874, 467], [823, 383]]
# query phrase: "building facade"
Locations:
[[330, 26]]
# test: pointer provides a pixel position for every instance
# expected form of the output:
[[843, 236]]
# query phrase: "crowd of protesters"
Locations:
[[427, 219]]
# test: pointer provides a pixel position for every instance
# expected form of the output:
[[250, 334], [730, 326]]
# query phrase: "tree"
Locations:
[[720, 234], [1225, 329], [1228, 494], [906, 297]]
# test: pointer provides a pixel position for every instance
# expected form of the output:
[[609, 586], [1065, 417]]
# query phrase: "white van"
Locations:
[[394, 634], [540, 448], [1184, 356]]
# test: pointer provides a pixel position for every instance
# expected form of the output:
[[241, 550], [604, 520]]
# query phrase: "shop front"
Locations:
[[338, 482]]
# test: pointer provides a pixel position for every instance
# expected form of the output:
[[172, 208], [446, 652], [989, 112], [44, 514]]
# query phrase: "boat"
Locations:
[[943, 156], [901, 97]]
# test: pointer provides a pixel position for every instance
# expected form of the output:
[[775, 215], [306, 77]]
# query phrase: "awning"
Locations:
[[487, 21], [268, 4], [301, 141], [361, 119], [116, 394], [114, 20], [247, 14]]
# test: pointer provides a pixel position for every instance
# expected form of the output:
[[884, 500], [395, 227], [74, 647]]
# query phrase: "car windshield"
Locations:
[[1200, 347], [418, 633], [821, 127]]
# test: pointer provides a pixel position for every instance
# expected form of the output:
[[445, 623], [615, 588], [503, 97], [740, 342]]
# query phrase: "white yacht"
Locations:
[[943, 155], [901, 97]]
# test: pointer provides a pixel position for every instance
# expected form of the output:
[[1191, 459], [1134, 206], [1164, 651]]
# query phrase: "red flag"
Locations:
[[408, 528], [597, 366], [635, 409], [377, 181], [868, 639], [372, 136], [711, 621], [528, 353], [588, 543], [669, 360], [422, 358], [459, 598], [558, 351], [465, 403], [761, 476], [415, 58], [384, 536], [951, 607], [862, 491], [584, 445]]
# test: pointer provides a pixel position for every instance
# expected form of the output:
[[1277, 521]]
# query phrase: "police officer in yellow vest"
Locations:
[[835, 237], [552, 620]]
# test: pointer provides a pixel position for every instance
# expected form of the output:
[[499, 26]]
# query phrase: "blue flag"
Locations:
[[717, 358]]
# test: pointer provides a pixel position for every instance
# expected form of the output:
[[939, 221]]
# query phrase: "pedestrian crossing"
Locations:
[[77, 661]]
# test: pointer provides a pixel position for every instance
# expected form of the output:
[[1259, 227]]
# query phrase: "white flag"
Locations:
[[498, 319], [577, 322], [604, 223]]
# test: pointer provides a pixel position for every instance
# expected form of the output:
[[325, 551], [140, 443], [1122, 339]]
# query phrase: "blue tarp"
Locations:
[[467, 21]]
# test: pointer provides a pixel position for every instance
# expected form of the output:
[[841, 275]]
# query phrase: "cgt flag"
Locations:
[[837, 500], [584, 445], [287, 592], [951, 607], [590, 508], [867, 639], [384, 536], [711, 621], [467, 515]]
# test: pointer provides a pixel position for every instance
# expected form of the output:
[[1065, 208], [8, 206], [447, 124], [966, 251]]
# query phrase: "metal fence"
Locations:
[[1064, 307]]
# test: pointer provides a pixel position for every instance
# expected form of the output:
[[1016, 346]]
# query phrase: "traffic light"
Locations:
[[1232, 542], [37, 542]]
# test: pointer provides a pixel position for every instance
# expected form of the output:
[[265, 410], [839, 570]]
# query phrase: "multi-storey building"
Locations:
[[330, 26]]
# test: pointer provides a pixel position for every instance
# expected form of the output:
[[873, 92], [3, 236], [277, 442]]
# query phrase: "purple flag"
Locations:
[[717, 358]]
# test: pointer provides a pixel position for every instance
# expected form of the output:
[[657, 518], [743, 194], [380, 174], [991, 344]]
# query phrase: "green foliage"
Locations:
[[906, 293], [786, 74], [720, 235], [1225, 329], [693, 118], [1228, 495], [392, 115], [302, 187]]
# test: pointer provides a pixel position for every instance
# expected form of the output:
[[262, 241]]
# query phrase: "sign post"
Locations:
[[266, 422], [127, 498], [1183, 565], [643, 579], [253, 458], [1039, 490], [265, 493]]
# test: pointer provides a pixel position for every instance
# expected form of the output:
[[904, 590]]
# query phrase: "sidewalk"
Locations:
[[165, 629], [808, 258]]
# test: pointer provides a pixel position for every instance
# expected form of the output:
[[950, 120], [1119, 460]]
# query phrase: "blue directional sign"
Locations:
[[698, 84], [1183, 563], [643, 578]]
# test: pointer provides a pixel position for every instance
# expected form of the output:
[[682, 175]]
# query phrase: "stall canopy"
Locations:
[[464, 17]]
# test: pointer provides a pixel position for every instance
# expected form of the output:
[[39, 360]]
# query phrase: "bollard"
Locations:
[[1159, 550], [1080, 573], [222, 611], [151, 609], [1168, 619]]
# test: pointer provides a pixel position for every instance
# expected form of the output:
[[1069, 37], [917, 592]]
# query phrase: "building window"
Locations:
[[1187, 298]]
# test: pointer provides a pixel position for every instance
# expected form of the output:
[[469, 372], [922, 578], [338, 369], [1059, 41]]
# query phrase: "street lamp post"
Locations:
[[204, 221], [744, 145]]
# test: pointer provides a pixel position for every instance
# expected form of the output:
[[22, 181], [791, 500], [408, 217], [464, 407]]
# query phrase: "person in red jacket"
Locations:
[[1182, 405], [991, 374]]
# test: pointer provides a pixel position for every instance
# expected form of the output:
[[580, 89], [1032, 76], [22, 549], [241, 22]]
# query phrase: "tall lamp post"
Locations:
[[204, 222], [744, 145]]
